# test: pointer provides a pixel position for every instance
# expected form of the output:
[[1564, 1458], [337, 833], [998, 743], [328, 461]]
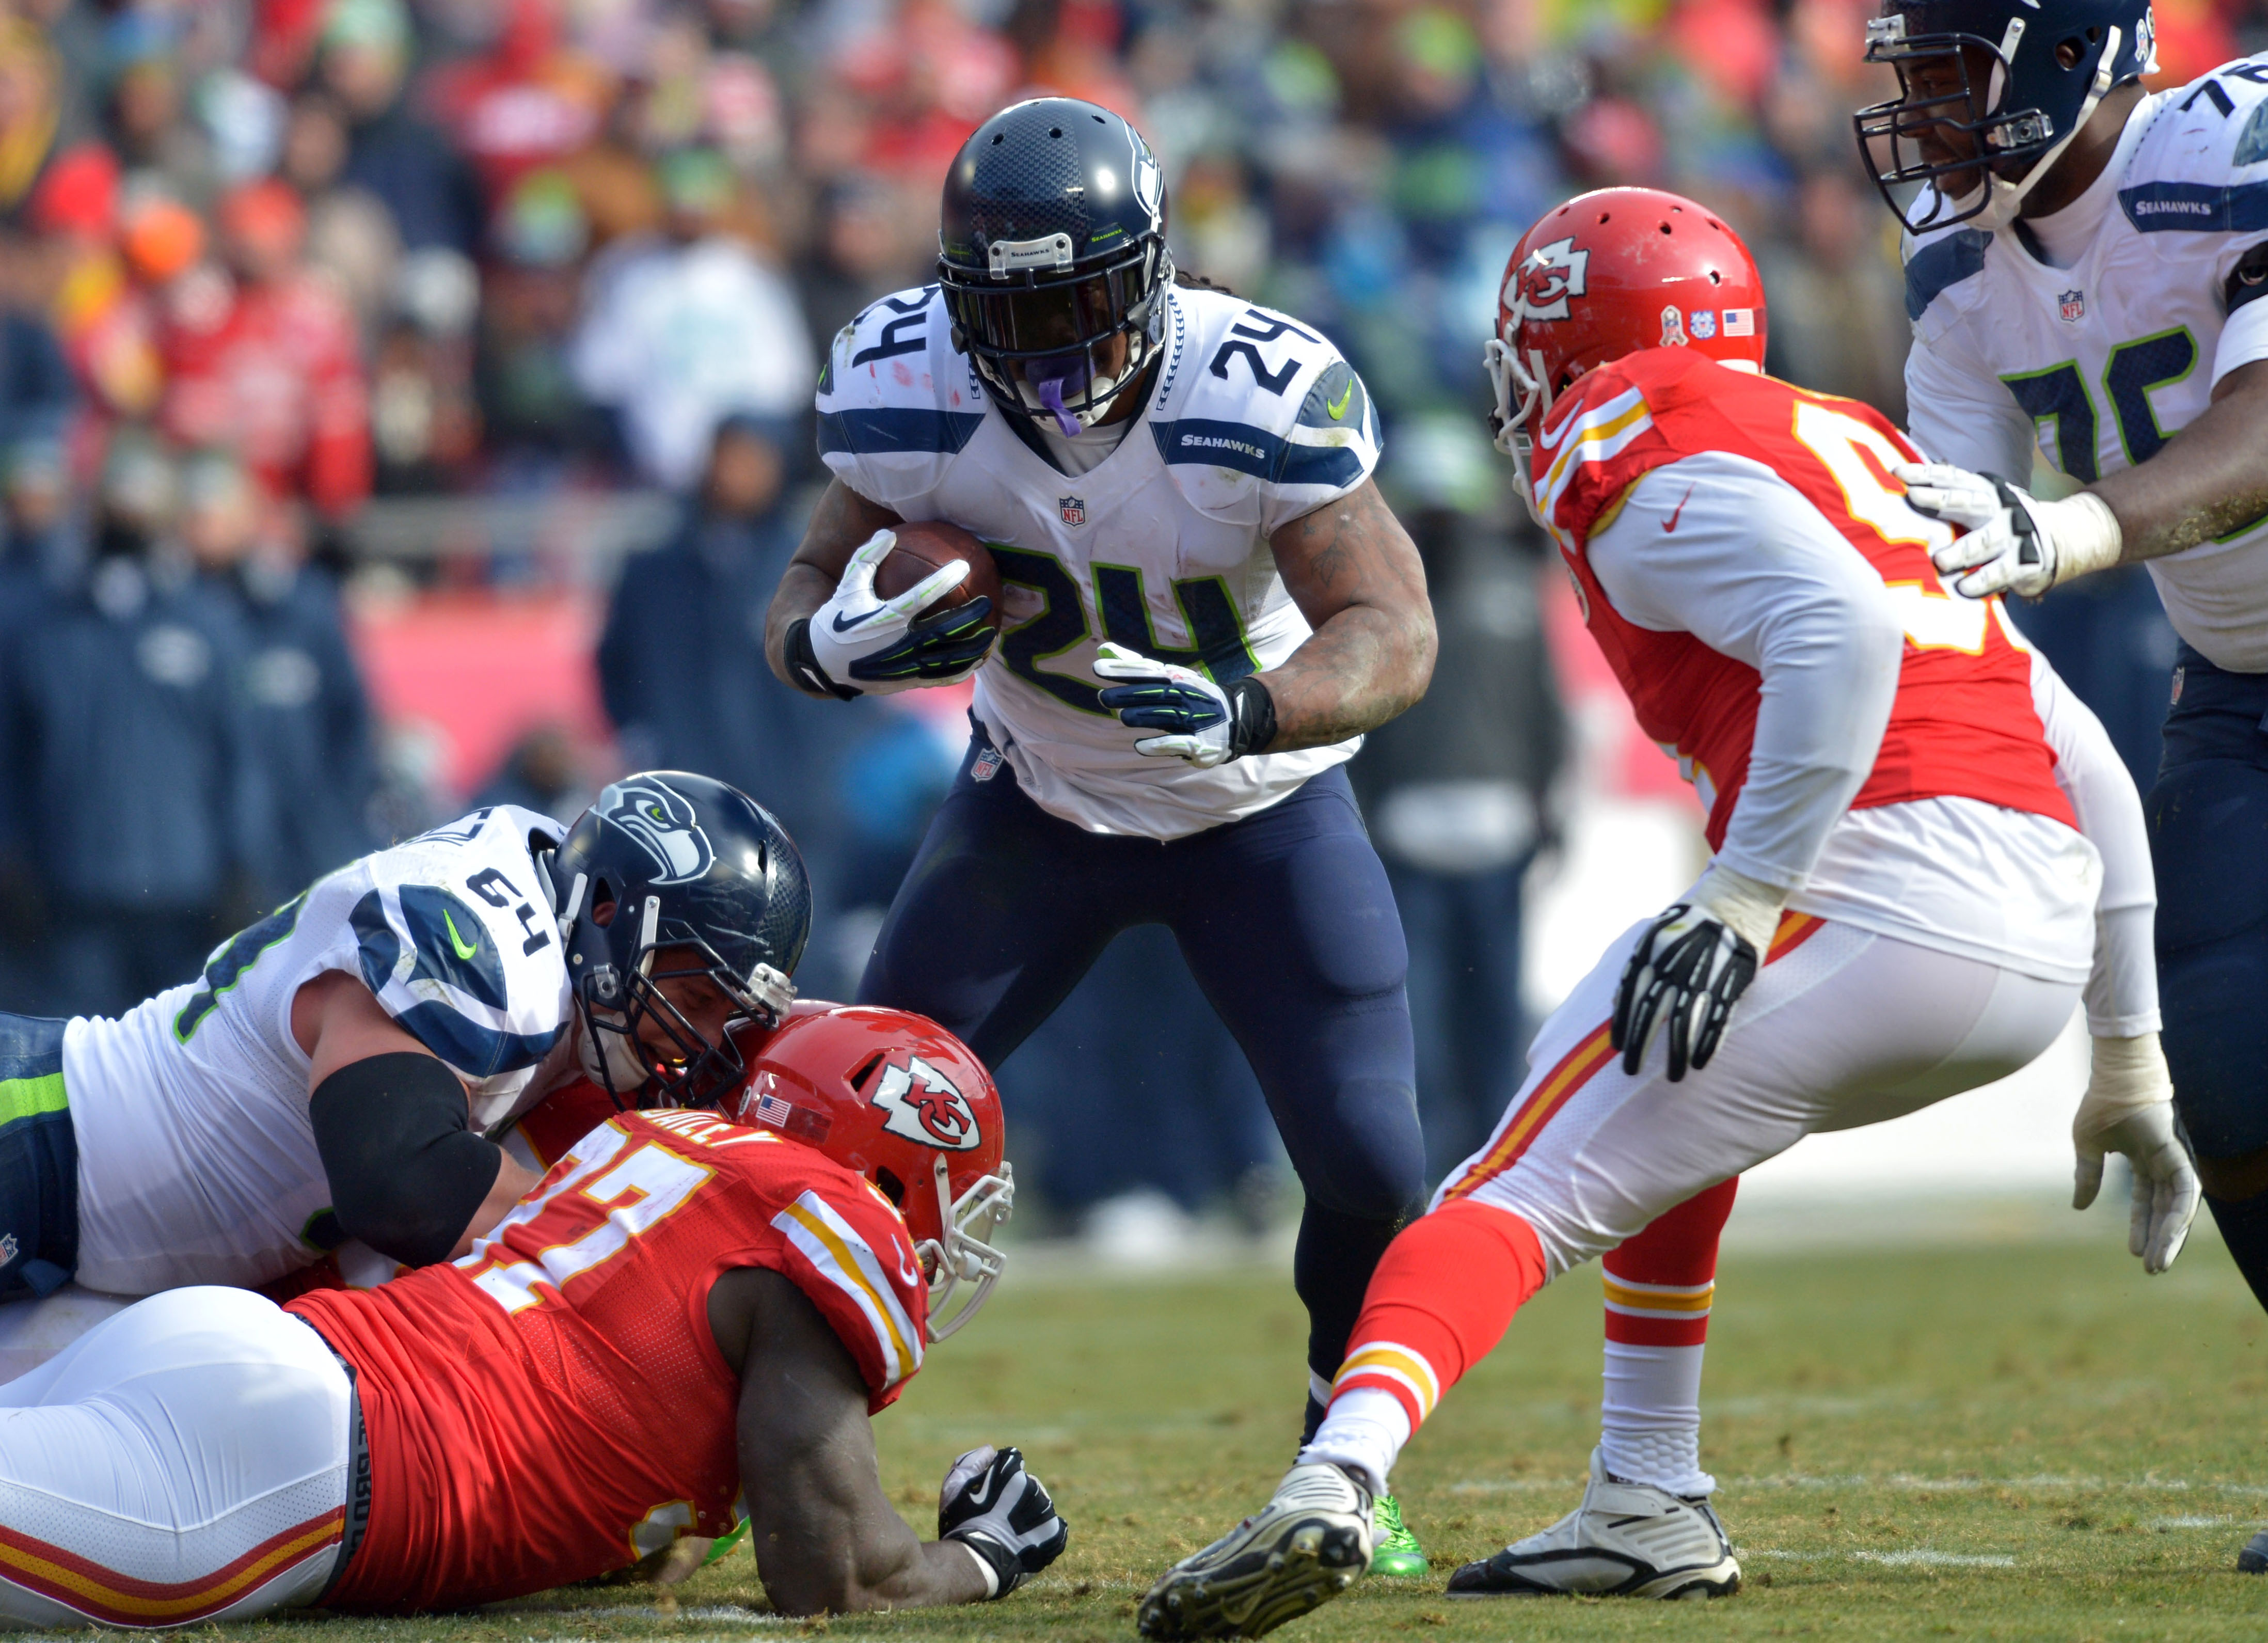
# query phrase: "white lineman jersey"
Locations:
[[196, 1157], [1254, 420], [2104, 361]]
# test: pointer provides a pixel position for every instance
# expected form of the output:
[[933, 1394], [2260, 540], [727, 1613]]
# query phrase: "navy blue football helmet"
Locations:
[[2012, 82], [1051, 242], [672, 876]]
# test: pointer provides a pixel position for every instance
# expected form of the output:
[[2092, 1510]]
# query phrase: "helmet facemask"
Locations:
[[638, 1043], [1040, 328], [1523, 398], [2009, 149], [965, 1254]]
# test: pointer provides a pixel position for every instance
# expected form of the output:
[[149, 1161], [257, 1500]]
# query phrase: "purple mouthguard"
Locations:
[[1049, 379]]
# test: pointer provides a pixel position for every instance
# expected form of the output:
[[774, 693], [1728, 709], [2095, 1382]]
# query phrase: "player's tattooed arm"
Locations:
[[1355, 575], [825, 1536], [842, 521], [2206, 483]]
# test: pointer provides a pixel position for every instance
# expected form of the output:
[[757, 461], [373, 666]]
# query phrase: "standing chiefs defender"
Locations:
[[689, 1319], [1903, 903]]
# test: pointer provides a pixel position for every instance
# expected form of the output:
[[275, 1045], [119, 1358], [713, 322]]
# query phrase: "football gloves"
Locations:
[[1691, 966], [859, 645], [2129, 1107], [1000, 1512], [2013, 543], [1205, 724]]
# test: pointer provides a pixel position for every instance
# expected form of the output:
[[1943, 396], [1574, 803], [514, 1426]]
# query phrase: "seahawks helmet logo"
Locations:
[[660, 820], [1148, 180]]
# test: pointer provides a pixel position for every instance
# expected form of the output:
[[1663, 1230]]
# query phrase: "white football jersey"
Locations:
[[1254, 421], [197, 1158], [2104, 361]]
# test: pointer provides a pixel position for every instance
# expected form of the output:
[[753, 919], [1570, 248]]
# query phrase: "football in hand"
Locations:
[[925, 546]]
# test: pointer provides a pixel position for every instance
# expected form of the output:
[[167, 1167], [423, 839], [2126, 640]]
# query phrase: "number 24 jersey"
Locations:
[[1163, 547], [554, 1406]]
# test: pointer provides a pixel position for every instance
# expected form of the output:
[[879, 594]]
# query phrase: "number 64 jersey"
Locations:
[[1254, 420], [2101, 333], [196, 1157]]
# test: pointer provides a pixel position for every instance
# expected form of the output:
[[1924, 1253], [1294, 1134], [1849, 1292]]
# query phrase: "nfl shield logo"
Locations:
[[1073, 510], [2072, 307]]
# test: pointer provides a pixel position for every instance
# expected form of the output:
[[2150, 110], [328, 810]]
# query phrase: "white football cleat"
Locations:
[[1302, 1548], [1626, 1540]]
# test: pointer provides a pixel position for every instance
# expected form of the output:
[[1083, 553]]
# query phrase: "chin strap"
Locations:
[[2008, 198]]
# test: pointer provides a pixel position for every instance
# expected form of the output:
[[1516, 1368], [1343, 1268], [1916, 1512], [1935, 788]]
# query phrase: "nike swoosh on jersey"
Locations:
[[1670, 524], [1337, 407], [465, 950]]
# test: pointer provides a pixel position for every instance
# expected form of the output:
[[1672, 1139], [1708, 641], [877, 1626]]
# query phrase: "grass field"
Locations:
[[2030, 1442]]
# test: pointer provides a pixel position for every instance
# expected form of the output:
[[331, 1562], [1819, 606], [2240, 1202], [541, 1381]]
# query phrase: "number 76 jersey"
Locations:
[[2103, 362], [1254, 421], [1963, 724]]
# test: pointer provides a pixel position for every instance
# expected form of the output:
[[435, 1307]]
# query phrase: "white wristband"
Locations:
[[2087, 534], [991, 1574]]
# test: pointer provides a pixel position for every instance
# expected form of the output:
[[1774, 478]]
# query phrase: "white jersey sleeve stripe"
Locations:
[[848, 1262]]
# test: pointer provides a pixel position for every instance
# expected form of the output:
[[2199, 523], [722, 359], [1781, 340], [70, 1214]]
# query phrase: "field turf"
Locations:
[[2021, 1442]]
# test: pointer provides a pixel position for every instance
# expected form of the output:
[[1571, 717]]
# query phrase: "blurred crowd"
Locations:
[[268, 267]]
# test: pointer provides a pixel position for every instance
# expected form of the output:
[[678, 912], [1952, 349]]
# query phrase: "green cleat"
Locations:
[[726, 1543], [1396, 1553]]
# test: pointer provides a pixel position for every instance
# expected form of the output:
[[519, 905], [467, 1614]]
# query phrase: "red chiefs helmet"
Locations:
[[895, 1097], [1609, 273]]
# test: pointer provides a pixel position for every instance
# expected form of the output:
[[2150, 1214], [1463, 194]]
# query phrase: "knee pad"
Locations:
[[2214, 997], [1370, 1164]]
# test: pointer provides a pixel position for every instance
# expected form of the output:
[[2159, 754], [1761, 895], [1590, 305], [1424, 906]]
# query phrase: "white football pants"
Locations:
[[1843, 1027], [184, 1461]]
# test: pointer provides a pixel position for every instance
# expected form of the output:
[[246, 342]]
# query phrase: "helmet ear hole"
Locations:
[[891, 1186]]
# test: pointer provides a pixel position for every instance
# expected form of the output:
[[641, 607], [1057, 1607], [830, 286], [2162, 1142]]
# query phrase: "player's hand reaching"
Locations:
[[857, 644], [1000, 1512], [2129, 1107], [1691, 966], [1205, 724], [2012, 542]]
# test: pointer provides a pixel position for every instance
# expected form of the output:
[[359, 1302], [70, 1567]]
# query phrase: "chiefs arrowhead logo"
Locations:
[[922, 1104], [1539, 288]]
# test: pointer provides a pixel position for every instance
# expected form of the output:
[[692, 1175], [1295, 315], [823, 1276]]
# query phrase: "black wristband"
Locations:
[[1008, 1569], [803, 665], [1251, 717]]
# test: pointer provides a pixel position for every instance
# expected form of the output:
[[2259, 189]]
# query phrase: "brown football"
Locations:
[[928, 545]]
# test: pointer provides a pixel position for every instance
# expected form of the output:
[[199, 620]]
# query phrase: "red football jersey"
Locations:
[[1962, 724], [554, 1406]]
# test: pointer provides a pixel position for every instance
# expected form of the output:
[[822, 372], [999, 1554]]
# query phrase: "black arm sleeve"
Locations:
[[406, 1171]]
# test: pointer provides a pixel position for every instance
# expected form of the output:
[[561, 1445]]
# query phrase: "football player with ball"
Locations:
[[1204, 605]]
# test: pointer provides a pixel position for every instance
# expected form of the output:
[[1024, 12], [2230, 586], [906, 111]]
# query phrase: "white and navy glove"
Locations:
[[859, 645], [1000, 1512], [1205, 724], [2013, 543], [1690, 967], [2129, 1107]]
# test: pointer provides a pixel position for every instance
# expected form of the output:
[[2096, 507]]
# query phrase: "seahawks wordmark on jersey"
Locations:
[[197, 1162], [1254, 420], [2105, 360]]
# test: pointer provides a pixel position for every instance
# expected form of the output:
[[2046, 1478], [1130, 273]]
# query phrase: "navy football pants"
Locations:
[[1289, 926], [2208, 817]]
